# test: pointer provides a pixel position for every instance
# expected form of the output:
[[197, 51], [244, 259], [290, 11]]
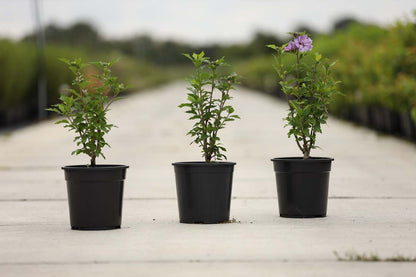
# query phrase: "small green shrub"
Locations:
[[209, 92], [86, 107]]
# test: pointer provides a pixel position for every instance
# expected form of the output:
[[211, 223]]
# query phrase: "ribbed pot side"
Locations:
[[302, 186], [95, 196], [204, 191]]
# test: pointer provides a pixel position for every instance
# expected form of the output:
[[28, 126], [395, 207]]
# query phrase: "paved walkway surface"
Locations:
[[371, 209]]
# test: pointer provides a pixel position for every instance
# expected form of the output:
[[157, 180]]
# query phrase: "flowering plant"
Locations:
[[308, 86], [209, 92], [85, 109]]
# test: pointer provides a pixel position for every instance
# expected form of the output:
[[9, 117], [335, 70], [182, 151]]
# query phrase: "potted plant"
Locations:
[[95, 192], [204, 188], [302, 182]]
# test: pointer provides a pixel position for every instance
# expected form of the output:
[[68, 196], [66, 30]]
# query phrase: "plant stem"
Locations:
[[201, 109], [93, 160], [217, 120], [313, 133], [208, 156], [81, 90], [98, 143], [283, 77], [78, 130], [305, 149], [297, 74], [306, 154]]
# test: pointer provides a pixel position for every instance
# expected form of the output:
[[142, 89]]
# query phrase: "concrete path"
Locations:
[[372, 205]]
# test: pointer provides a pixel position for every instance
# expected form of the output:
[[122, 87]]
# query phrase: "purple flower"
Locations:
[[290, 47], [303, 43]]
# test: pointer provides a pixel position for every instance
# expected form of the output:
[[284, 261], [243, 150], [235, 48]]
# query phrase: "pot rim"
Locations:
[[80, 167], [302, 160], [200, 163]]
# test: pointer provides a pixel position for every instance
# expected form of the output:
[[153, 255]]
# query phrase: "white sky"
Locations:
[[198, 21]]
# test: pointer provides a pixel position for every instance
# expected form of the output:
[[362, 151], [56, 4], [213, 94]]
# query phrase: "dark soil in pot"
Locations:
[[204, 191], [95, 196], [302, 186]]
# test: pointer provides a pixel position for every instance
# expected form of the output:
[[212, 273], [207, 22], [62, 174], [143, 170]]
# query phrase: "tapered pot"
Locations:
[[204, 191], [302, 186], [95, 196]]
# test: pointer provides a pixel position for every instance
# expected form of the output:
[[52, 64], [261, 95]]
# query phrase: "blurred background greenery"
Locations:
[[377, 67]]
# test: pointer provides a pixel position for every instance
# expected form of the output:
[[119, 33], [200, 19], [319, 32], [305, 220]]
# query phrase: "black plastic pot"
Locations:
[[14, 115], [204, 191], [362, 115], [392, 121], [377, 119], [95, 196], [408, 128], [302, 186]]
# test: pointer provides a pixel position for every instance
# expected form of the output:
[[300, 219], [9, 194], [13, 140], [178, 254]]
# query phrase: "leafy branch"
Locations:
[[208, 93], [85, 109], [308, 86]]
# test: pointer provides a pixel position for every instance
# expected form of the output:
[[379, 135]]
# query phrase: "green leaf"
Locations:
[[272, 46], [185, 105], [208, 108], [62, 121], [188, 56], [192, 98], [68, 62]]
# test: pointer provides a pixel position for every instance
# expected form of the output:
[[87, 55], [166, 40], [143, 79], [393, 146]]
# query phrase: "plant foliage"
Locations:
[[309, 86], [86, 107], [209, 93]]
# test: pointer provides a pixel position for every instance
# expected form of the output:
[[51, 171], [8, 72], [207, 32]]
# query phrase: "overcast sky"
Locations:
[[198, 21]]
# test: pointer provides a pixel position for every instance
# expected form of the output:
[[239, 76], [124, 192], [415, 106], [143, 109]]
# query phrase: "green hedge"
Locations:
[[18, 75], [378, 68]]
